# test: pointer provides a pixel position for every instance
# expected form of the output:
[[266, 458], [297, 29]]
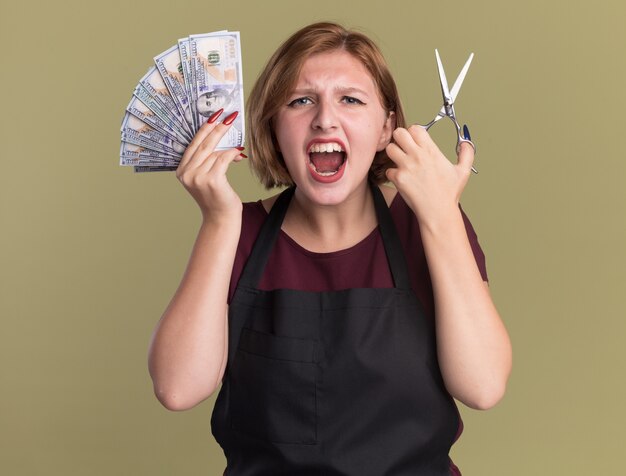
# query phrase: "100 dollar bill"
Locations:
[[217, 79], [170, 68], [135, 131], [132, 154], [153, 92], [138, 109]]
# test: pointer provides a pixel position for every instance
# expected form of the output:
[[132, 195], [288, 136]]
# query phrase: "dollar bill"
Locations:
[[185, 61], [149, 168], [132, 154], [138, 109], [170, 68], [154, 94], [189, 76], [216, 64], [143, 95], [135, 131]]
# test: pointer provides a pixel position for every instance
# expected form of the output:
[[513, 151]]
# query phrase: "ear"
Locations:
[[386, 133]]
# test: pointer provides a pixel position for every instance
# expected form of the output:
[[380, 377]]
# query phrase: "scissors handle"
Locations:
[[434, 121], [460, 138], [459, 134]]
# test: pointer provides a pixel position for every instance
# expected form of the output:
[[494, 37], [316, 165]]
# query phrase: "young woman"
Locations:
[[341, 317]]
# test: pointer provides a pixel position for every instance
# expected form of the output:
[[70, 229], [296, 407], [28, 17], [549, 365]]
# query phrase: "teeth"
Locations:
[[323, 174], [325, 147]]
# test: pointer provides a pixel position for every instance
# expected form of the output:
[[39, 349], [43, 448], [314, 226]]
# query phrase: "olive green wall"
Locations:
[[91, 253]]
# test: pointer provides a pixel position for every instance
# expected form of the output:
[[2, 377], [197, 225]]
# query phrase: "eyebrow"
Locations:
[[339, 89]]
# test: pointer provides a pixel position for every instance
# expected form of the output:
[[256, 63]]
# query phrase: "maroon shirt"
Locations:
[[363, 265]]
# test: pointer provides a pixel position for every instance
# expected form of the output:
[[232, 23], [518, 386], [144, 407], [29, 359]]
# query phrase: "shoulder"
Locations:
[[252, 218], [268, 203], [389, 193], [253, 211]]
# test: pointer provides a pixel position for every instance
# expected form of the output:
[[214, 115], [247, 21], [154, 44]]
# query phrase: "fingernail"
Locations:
[[229, 120], [466, 133], [243, 155], [215, 115], [239, 148]]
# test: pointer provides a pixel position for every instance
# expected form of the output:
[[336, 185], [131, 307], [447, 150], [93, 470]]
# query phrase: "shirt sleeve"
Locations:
[[479, 256]]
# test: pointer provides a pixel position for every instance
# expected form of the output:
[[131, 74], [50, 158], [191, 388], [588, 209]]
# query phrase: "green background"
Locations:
[[91, 253]]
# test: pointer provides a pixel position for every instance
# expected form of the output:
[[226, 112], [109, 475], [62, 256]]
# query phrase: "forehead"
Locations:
[[338, 69]]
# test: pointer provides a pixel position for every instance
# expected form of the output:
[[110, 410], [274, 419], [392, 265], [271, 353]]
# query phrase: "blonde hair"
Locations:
[[278, 78]]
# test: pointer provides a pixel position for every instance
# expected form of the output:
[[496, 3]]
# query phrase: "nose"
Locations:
[[325, 116]]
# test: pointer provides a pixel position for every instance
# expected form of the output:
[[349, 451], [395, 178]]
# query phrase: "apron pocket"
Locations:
[[273, 388]]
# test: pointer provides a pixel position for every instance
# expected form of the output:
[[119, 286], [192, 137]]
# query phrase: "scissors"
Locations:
[[449, 96]]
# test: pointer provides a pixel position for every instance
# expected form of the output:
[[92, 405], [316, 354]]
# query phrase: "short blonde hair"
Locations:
[[278, 78]]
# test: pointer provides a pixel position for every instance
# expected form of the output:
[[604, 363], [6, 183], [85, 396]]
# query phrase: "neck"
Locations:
[[326, 228]]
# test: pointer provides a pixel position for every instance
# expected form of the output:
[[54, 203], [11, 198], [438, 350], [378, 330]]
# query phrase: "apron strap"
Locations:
[[253, 270], [255, 266], [391, 241]]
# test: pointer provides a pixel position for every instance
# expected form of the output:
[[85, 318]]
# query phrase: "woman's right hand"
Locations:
[[202, 170]]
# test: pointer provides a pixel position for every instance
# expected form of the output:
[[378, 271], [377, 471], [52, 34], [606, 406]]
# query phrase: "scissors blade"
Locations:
[[442, 79], [459, 80]]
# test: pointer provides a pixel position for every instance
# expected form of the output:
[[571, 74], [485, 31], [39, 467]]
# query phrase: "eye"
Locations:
[[351, 100], [300, 102]]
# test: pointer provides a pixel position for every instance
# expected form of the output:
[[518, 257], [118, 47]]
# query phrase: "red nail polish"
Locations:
[[243, 155], [229, 120], [215, 115], [239, 148]]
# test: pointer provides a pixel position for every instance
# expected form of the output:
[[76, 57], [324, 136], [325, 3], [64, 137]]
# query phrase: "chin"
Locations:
[[329, 194]]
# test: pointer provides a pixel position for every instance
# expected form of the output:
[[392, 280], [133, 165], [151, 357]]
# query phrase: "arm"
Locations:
[[473, 346], [190, 343]]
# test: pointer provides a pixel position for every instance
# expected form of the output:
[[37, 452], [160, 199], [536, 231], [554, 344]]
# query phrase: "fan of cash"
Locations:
[[189, 82]]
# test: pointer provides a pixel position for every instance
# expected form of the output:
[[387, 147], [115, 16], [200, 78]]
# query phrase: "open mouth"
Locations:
[[327, 158]]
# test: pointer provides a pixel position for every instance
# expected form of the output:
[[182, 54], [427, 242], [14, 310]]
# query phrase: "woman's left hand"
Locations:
[[429, 183]]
